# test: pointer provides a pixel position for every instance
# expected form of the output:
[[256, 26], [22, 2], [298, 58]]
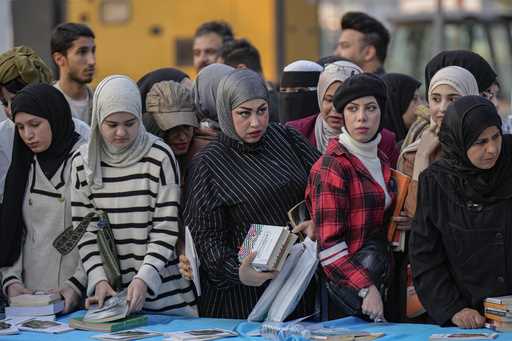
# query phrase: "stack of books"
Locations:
[[38, 304], [498, 311]]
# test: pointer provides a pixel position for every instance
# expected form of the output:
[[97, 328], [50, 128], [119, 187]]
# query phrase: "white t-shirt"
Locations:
[[79, 108]]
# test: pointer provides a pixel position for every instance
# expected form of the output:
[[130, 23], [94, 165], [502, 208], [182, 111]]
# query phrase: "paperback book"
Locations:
[[126, 335], [200, 334]]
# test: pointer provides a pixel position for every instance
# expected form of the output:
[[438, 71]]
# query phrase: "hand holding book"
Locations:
[[101, 292], [249, 276]]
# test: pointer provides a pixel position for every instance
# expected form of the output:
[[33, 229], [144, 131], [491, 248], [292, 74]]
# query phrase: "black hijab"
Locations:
[[463, 123], [45, 101], [165, 74], [400, 92], [471, 61]]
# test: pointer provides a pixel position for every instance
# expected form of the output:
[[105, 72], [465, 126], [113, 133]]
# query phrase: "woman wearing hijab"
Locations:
[[447, 85], [460, 238], [485, 76], [403, 98], [133, 177], [38, 186], [349, 193], [204, 92], [321, 127], [253, 174]]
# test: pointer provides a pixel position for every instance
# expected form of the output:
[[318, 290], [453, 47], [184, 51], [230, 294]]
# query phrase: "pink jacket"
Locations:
[[306, 126]]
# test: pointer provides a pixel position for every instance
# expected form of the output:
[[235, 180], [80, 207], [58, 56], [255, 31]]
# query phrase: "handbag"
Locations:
[[69, 238]]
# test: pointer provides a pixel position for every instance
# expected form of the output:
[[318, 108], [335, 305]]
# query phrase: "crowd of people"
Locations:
[[229, 149]]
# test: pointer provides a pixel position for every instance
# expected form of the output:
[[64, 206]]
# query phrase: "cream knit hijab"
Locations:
[[114, 94]]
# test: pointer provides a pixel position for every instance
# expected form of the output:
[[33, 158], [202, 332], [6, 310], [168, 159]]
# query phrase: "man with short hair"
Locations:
[[208, 41], [74, 52], [364, 40]]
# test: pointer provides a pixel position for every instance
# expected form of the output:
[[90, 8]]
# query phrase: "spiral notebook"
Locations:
[[271, 244]]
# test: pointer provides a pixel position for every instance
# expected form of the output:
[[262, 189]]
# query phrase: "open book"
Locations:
[[397, 237], [114, 308], [284, 292], [271, 244]]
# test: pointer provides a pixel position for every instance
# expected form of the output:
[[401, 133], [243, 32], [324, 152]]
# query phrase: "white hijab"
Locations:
[[338, 71], [114, 94]]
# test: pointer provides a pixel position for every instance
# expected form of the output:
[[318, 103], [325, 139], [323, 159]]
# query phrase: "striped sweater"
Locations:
[[230, 186], [142, 203]]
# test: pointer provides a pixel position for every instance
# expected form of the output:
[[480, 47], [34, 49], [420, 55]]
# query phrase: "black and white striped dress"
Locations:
[[142, 203], [230, 186]]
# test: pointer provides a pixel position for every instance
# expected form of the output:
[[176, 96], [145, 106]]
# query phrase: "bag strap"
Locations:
[[67, 240]]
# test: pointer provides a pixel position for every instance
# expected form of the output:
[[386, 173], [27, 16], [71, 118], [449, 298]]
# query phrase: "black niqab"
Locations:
[[463, 123], [400, 92], [45, 101]]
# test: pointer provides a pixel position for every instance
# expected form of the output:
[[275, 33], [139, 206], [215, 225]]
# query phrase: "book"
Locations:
[[271, 244], [126, 335], [114, 308], [193, 258], [200, 334], [499, 326], [397, 237], [498, 312], [497, 317], [284, 291], [502, 307], [49, 309], [7, 328], [463, 336], [298, 214], [45, 326], [34, 300], [504, 300], [129, 322]]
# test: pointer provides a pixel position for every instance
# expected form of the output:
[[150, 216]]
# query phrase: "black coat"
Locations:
[[460, 253]]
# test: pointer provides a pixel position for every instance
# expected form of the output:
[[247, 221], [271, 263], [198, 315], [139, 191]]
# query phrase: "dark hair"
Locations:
[[375, 33], [241, 51], [222, 28], [65, 34]]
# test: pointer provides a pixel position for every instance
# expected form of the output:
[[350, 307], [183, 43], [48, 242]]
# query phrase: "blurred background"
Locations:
[[137, 36]]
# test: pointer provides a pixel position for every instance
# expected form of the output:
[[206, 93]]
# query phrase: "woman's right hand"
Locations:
[[185, 268], [429, 141], [249, 276], [17, 289], [468, 318], [372, 304], [102, 291]]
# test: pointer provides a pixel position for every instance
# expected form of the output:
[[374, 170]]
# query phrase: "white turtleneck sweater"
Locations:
[[368, 154]]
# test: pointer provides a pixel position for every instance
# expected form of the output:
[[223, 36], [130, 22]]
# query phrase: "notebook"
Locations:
[[34, 300], [271, 244], [397, 237]]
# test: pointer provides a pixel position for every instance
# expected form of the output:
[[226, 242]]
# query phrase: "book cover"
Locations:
[[7, 328], [268, 242], [502, 307], [127, 335], [402, 187], [108, 327], [34, 300], [45, 326], [49, 309], [200, 334]]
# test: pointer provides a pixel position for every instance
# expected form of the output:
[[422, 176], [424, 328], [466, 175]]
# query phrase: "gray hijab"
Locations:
[[458, 78], [239, 86], [114, 94], [204, 90]]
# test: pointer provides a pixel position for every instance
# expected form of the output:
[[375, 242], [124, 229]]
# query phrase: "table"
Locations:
[[162, 323]]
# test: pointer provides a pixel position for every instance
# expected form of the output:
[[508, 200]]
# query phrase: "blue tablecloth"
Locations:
[[160, 323]]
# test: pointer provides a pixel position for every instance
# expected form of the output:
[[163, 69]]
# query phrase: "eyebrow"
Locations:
[[128, 121], [246, 108]]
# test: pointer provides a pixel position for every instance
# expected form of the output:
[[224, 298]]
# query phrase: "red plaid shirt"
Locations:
[[346, 205]]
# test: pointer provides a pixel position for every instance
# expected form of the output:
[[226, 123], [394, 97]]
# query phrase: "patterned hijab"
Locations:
[[114, 94]]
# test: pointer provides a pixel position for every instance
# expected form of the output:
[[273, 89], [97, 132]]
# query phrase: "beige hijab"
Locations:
[[338, 71], [114, 94]]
